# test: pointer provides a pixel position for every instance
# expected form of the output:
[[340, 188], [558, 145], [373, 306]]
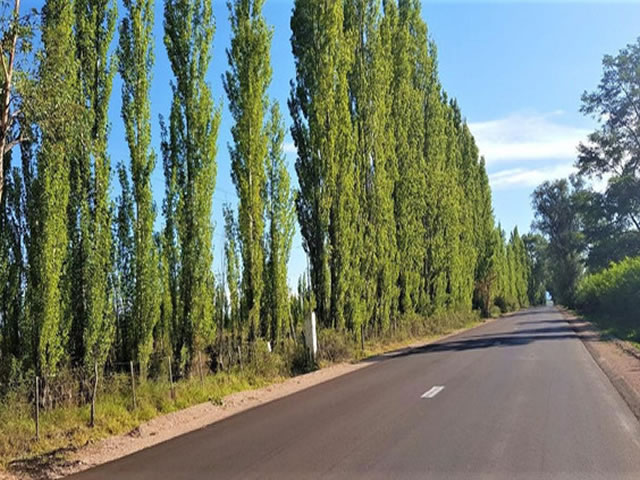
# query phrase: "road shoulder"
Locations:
[[166, 427], [619, 360]]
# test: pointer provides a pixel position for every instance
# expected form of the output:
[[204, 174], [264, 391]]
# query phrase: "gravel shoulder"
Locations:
[[160, 429], [618, 359]]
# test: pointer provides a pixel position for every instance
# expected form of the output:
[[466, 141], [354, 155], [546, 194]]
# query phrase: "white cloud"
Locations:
[[289, 147], [521, 136], [528, 177]]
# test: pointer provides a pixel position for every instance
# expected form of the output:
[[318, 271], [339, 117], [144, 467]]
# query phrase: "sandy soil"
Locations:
[[165, 427]]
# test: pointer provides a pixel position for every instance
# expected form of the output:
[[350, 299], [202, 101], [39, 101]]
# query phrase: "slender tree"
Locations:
[[280, 213], [189, 27], [322, 133], [246, 85], [136, 60], [95, 26], [124, 275], [59, 117], [232, 272]]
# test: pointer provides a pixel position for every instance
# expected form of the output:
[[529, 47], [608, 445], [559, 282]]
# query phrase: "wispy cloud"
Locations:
[[521, 136], [528, 177], [289, 147]]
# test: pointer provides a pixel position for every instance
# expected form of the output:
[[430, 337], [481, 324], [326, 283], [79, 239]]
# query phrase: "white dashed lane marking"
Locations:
[[432, 392]]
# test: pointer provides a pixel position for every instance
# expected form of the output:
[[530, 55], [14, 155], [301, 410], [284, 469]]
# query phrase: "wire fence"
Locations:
[[84, 386]]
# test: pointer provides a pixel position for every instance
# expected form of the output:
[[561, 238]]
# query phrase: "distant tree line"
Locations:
[[589, 238], [394, 203]]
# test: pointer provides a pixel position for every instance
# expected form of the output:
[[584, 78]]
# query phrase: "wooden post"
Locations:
[[173, 394], [200, 369], [37, 399], [133, 385], [240, 357], [93, 397]]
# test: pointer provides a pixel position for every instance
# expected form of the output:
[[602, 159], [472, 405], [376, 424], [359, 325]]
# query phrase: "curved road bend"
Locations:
[[521, 399]]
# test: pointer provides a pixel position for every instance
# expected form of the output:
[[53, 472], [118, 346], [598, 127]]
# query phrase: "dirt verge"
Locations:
[[65, 462], [619, 360]]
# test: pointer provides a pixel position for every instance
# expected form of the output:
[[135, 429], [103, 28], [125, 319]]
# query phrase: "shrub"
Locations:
[[335, 346], [614, 291]]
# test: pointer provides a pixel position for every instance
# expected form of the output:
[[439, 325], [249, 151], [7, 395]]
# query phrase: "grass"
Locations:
[[617, 327], [66, 428]]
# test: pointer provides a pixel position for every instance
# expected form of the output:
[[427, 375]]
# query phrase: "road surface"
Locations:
[[518, 398]]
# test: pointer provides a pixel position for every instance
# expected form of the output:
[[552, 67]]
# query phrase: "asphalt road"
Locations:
[[522, 399]]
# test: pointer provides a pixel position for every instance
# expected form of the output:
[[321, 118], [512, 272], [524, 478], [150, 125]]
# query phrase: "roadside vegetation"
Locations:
[[97, 281], [611, 298], [67, 426], [589, 239]]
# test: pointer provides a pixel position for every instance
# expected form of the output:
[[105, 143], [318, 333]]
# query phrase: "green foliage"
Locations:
[[58, 114], [193, 130], [536, 246], [232, 271], [246, 85], [554, 205], [280, 215], [613, 292], [136, 60], [95, 26], [322, 133], [613, 150]]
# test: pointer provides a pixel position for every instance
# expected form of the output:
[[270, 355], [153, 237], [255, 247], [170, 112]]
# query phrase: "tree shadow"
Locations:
[[46, 466]]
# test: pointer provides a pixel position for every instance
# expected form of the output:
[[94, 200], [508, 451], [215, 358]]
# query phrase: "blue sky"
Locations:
[[517, 70]]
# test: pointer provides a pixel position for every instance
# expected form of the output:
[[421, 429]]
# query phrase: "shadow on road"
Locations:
[[489, 342], [546, 332], [539, 331]]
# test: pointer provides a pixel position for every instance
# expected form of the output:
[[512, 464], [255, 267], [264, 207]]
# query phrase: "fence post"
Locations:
[[37, 408], [173, 395], [133, 385], [93, 397], [200, 368]]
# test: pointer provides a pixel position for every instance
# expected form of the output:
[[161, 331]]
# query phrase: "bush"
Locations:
[[335, 346], [614, 291]]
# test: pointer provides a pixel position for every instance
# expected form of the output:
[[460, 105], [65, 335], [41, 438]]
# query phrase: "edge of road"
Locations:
[[167, 427], [611, 355]]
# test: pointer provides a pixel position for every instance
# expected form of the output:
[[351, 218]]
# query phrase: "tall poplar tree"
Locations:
[[95, 26], [136, 60], [189, 27], [246, 85], [232, 272], [57, 112], [322, 132], [408, 112], [280, 213]]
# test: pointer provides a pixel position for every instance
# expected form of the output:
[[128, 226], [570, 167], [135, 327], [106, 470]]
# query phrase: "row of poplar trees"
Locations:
[[86, 279], [394, 204]]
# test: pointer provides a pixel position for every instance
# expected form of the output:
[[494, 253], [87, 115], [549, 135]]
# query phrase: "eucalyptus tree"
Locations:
[[135, 53], [189, 27], [246, 84], [555, 216], [15, 44]]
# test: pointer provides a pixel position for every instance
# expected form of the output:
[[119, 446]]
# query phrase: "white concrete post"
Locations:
[[310, 335]]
